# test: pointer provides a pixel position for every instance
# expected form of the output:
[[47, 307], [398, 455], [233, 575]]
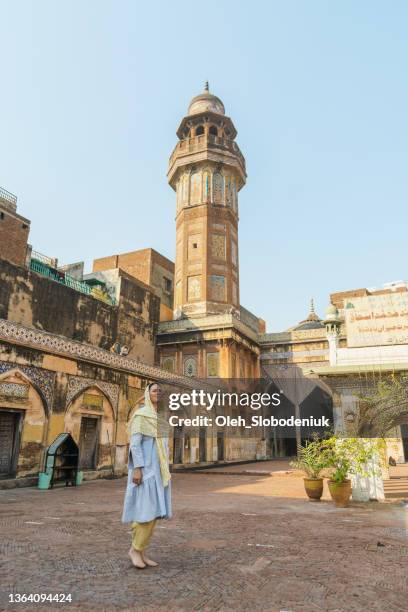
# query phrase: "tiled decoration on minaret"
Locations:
[[206, 170]]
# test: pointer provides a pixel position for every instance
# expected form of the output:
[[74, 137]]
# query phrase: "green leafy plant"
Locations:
[[311, 458], [349, 456], [382, 407]]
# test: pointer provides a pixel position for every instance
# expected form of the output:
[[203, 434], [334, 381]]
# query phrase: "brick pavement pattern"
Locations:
[[235, 542]]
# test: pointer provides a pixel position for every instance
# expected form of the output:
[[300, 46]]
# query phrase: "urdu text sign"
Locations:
[[377, 320]]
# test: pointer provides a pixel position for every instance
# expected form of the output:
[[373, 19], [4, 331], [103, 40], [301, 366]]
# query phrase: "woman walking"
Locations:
[[148, 492]]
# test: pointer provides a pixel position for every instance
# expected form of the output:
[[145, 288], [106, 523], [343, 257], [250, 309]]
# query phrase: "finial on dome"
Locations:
[[206, 101], [312, 316]]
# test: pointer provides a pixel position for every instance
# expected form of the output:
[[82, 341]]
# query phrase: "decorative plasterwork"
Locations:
[[77, 384], [14, 390], [43, 380], [14, 333]]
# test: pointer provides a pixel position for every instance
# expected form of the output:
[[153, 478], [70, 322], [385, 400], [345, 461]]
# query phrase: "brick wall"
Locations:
[[14, 231], [146, 265]]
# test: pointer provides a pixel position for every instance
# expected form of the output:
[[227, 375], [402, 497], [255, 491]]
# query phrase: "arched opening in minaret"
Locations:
[[213, 130], [199, 130]]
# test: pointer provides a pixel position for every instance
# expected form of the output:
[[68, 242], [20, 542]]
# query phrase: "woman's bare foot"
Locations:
[[148, 561], [136, 558]]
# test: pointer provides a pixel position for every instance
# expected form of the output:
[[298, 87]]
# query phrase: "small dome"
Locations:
[[206, 101], [308, 325], [332, 312]]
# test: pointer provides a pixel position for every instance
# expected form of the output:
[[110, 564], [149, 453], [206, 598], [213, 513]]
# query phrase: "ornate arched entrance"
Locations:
[[90, 419], [23, 422]]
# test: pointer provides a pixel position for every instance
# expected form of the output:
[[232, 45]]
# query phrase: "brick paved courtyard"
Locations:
[[237, 541]]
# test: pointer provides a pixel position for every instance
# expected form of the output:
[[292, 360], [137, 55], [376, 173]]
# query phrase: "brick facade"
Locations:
[[14, 231]]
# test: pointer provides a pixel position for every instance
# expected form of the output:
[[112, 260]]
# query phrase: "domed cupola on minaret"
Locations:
[[206, 170]]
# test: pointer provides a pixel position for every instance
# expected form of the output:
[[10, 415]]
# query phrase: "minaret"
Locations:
[[333, 326], [206, 170]]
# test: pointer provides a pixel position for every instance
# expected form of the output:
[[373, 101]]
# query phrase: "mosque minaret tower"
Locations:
[[207, 171]]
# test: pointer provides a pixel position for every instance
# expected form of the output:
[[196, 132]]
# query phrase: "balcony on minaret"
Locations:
[[206, 135], [204, 142]]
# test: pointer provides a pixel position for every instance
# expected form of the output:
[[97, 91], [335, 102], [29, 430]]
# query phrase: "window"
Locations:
[[167, 285], [213, 130], [190, 366], [168, 364], [24, 226], [199, 130], [212, 365], [194, 247], [2, 215]]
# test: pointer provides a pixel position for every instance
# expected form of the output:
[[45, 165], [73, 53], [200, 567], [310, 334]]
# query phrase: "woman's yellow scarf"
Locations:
[[145, 421]]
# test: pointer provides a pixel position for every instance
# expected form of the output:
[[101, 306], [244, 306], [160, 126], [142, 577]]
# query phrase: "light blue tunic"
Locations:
[[150, 499]]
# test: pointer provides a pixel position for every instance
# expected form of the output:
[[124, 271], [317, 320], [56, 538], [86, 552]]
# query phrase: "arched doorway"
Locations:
[[318, 404], [301, 397], [23, 421], [90, 419]]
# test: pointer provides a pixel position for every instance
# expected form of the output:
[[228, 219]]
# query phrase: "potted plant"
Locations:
[[312, 460], [346, 456]]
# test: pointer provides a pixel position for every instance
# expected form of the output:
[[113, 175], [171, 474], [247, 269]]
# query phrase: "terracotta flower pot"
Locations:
[[340, 492], [314, 488]]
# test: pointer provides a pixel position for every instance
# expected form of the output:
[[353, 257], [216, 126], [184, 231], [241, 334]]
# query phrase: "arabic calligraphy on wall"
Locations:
[[377, 320]]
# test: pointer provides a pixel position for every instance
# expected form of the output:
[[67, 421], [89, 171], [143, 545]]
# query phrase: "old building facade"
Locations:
[[76, 349], [76, 352], [361, 341]]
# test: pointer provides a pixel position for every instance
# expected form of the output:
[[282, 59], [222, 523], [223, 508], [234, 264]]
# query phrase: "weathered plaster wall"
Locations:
[[36, 301], [55, 404]]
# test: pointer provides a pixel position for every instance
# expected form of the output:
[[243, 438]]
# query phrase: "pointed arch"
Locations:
[[22, 374]]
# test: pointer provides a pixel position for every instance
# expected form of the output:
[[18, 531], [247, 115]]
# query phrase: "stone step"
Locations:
[[396, 488]]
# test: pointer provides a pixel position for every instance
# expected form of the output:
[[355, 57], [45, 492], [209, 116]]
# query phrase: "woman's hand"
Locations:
[[137, 476]]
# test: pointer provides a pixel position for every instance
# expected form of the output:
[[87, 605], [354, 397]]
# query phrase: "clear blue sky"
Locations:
[[92, 93]]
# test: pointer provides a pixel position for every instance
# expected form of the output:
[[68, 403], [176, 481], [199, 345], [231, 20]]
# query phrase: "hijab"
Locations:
[[146, 421]]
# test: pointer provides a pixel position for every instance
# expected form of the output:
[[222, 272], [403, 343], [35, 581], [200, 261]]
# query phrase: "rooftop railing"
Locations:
[[9, 197], [48, 261], [43, 267]]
